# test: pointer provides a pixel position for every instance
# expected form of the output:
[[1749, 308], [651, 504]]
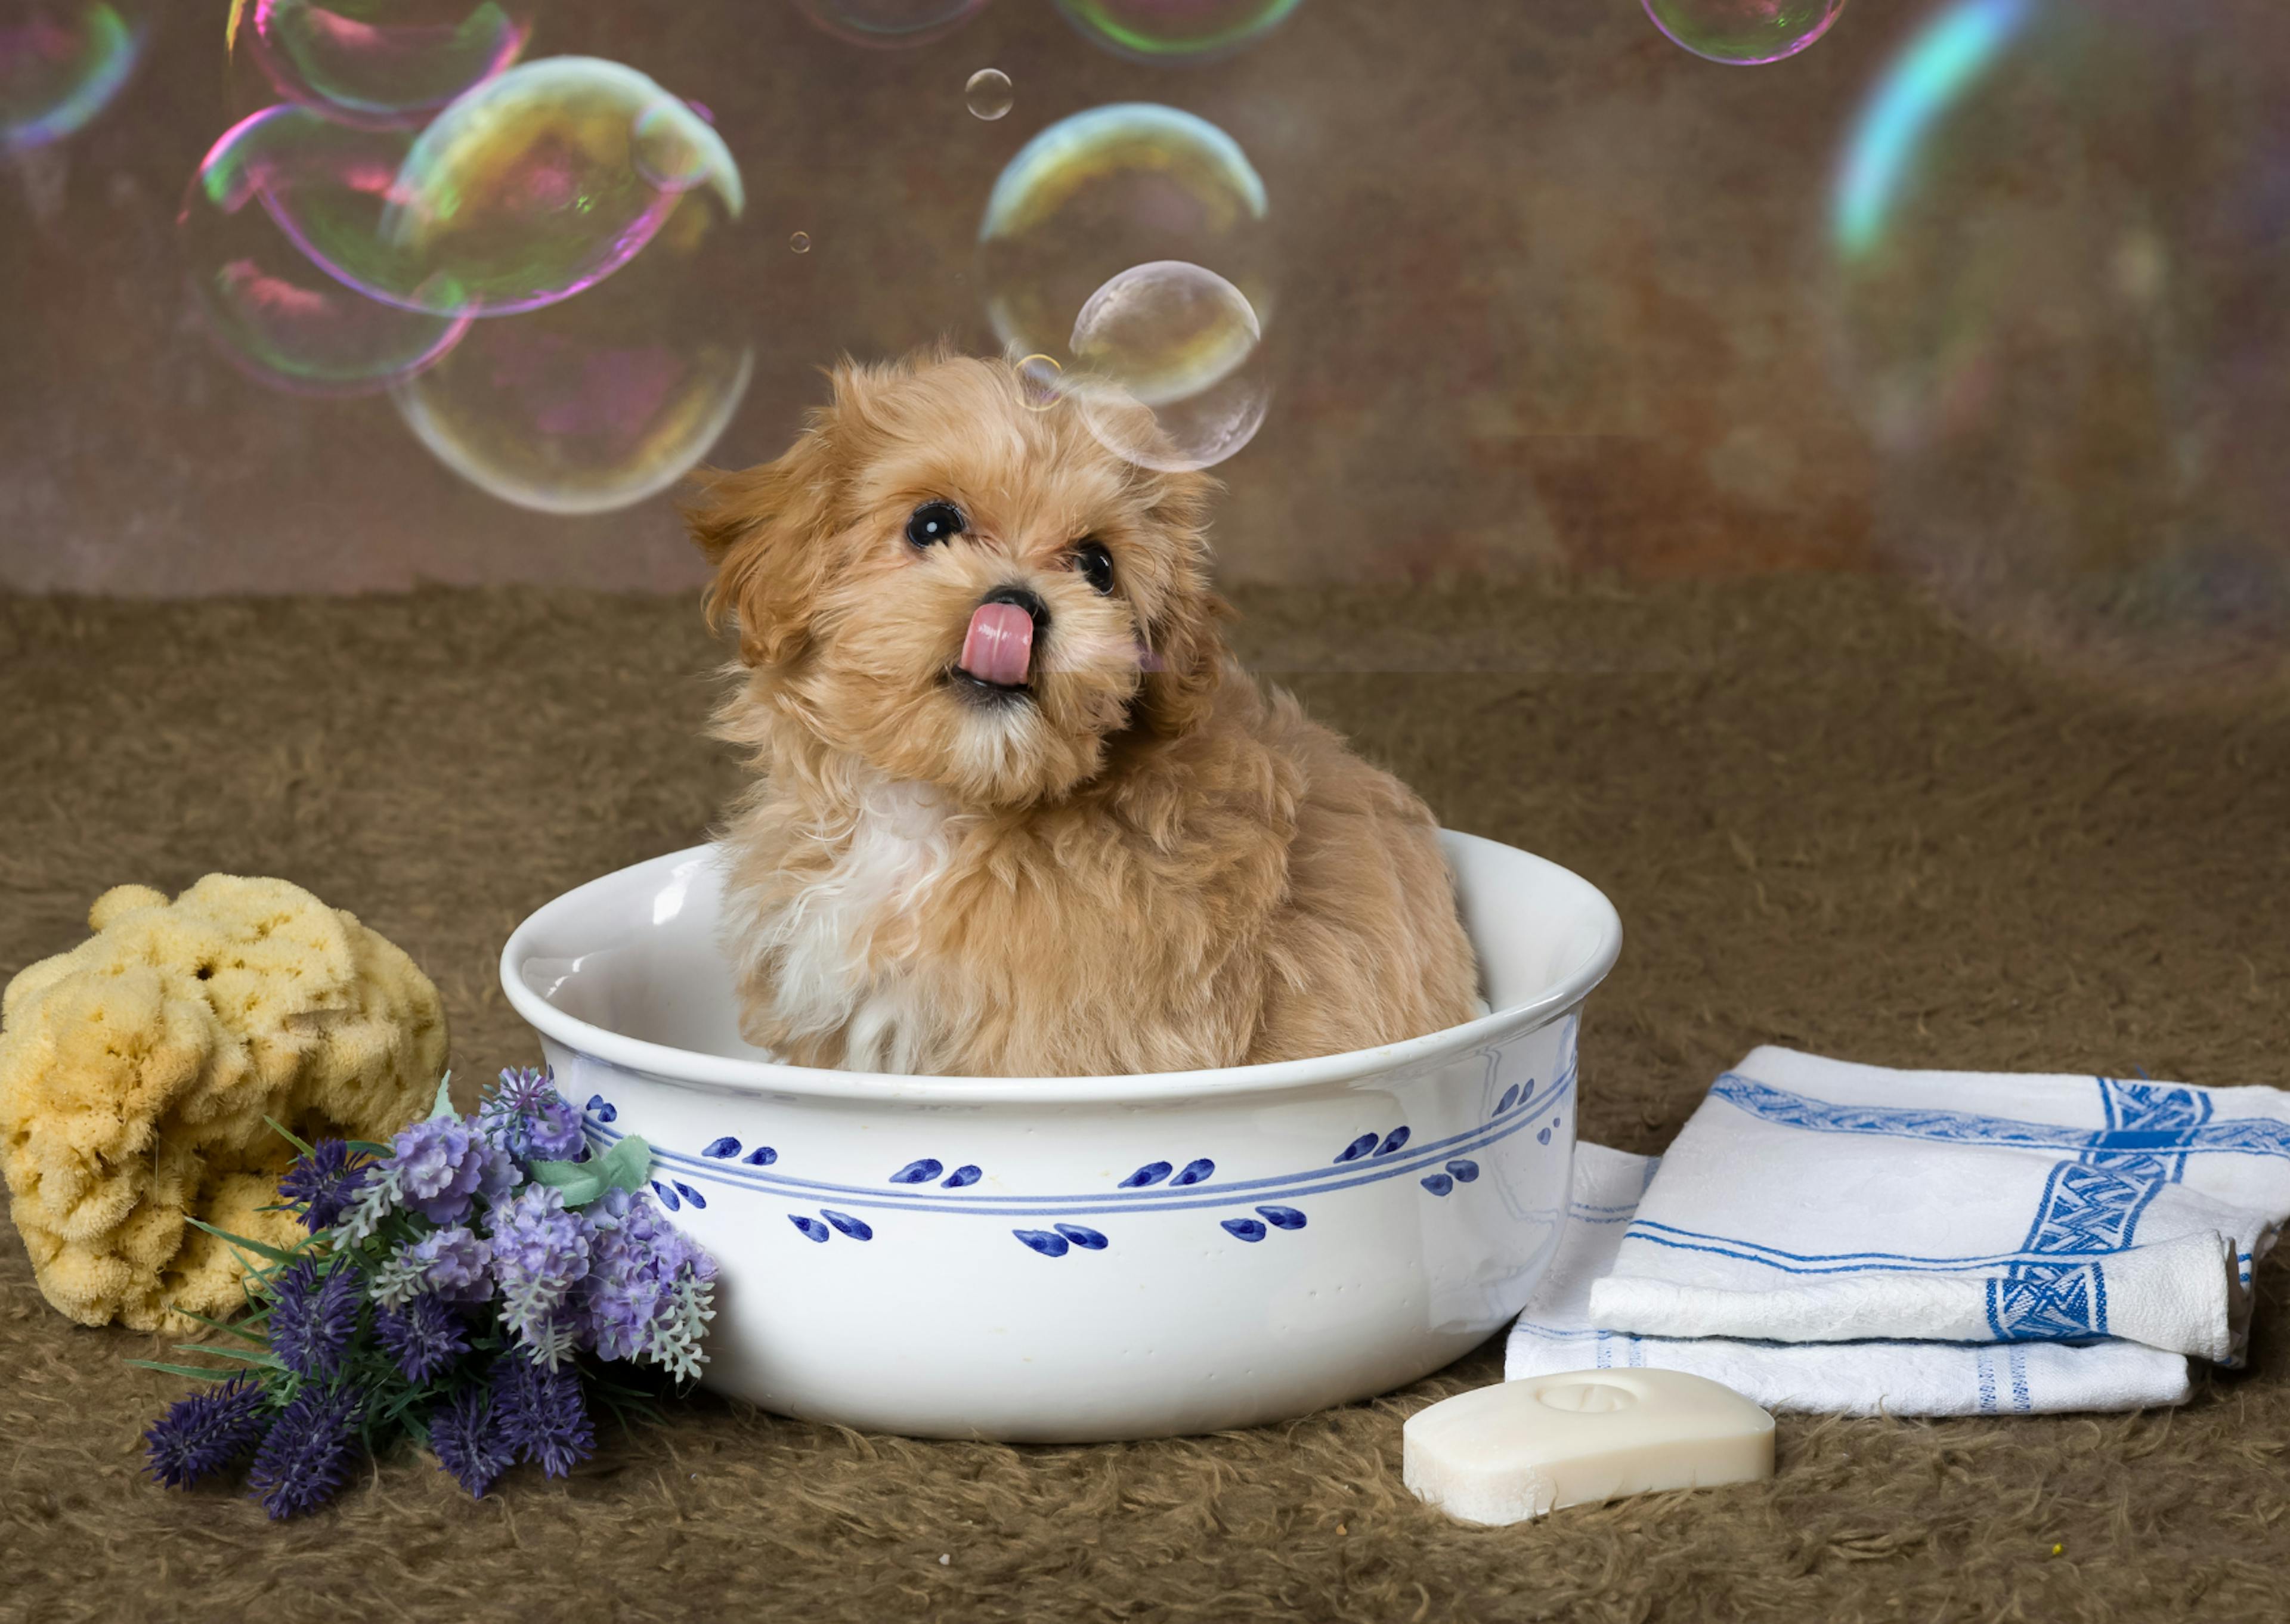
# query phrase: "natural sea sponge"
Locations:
[[136, 1071]]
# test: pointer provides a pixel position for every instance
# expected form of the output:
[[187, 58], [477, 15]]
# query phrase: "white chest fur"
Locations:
[[839, 966]]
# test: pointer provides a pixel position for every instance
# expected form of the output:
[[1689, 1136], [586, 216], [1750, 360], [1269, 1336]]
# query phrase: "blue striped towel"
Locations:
[[1811, 1200], [1867, 1377]]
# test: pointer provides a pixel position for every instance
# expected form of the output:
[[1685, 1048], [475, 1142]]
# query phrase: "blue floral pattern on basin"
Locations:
[[857, 1228], [925, 1185]]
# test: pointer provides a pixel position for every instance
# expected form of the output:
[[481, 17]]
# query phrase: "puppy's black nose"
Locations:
[[1025, 598]]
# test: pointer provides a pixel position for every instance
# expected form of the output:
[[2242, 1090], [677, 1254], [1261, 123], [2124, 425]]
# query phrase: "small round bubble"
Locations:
[[1744, 32], [61, 63], [1146, 29], [1115, 186], [799, 242], [1173, 373], [889, 25], [1041, 381], [988, 94]]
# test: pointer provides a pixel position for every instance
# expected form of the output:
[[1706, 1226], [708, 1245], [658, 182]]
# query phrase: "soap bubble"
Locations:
[[890, 25], [275, 315], [598, 400], [1041, 380], [2060, 236], [381, 63], [1150, 28], [1107, 189], [1175, 374], [537, 184], [61, 62], [987, 93], [1744, 32]]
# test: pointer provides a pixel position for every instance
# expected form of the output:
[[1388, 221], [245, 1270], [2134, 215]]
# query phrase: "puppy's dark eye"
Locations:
[[934, 522], [1095, 565]]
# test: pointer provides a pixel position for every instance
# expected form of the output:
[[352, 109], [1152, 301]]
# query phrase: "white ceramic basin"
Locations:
[[1082, 1258]]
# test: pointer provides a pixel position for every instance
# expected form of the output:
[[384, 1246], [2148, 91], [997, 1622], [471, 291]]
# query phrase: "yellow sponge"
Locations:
[[136, 1069]]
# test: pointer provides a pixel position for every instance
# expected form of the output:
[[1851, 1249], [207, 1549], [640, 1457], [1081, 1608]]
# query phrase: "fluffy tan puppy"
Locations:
[[1019, 812]]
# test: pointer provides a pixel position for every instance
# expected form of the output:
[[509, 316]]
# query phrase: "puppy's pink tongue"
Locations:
[[999, 646]]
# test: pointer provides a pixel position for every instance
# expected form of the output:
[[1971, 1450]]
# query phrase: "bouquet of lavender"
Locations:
[[465, 1284]]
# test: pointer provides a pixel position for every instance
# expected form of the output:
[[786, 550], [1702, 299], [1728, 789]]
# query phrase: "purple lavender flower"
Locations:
[[541, 1414], [636, 1258], [499, 1179], [423, 1338], [312, 1318], [468, 1445], [541, 1252], [204, 1433], [527, 1117], [439, 1163], [305, 1451], [323, 1182], [453, 1263]]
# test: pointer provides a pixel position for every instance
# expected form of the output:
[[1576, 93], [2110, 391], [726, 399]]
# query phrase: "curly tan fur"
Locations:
[[1140, 861]]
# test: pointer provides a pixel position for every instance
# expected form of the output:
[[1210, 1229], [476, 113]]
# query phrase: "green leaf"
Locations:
[[267, 1361], [444, 1105], [366, 1147], [579, 1182], [292, 1137], [258, 1248], [231, 1327], [194, 1371], [627, 1163]]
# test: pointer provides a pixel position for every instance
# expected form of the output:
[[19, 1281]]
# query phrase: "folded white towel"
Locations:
[[1810, 1200], [1896, 1377]]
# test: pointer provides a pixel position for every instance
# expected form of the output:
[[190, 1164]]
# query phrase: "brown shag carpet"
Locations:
[[1826, 820]]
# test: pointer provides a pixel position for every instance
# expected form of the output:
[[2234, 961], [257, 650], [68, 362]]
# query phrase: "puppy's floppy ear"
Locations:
[[1187, 635], [767, 529]]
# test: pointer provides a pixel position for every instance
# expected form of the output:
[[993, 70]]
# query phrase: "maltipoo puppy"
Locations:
[[1018, 812]]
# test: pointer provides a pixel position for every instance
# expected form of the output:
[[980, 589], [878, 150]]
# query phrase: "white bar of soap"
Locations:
[[1519, 1449]]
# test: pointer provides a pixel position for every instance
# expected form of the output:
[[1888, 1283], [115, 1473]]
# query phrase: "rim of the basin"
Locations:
[[673, 1065]]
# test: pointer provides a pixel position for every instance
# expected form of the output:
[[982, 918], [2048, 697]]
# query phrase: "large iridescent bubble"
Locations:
[[889, 25], [2062, 232], [1159, 30], [1169, 367], [1744, 32], [382, 63], [601, 400], [1116, 187], [61, 62], [275, 314], [537, 183]]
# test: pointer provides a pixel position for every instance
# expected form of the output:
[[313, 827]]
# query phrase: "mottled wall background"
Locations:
[[1545, 284], [1554, 292]]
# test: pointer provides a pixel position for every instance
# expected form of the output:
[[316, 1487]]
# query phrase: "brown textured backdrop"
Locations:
[[1825, 822], [1555, 282]]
